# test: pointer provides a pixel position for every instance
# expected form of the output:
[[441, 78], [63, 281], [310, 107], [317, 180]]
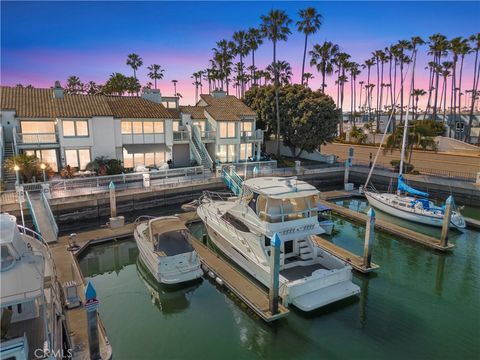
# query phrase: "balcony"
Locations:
[[38, 140], [208, 136], [181, 136], [256, 135]]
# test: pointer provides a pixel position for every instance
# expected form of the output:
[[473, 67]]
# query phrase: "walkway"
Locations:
[[40, 214]]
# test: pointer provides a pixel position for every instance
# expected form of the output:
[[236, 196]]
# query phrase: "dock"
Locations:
[[472, 223], [339, 194], [354, 260], [389, 227]]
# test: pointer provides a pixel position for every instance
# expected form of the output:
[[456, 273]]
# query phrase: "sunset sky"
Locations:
[[46, 41]]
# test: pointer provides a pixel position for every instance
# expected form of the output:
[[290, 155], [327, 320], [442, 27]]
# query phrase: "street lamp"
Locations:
[[43, 167], [17, 169]]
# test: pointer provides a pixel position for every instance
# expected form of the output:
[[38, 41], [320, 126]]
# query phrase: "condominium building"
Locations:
[[65, 129]]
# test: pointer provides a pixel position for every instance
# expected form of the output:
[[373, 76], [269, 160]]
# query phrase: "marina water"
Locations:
[[420, 304]]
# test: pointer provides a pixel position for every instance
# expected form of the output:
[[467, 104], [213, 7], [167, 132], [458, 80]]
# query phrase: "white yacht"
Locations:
[[242, 228], [165, 248], [32, 314]]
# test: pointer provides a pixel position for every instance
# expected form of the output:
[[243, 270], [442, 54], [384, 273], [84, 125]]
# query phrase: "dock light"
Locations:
[[43, 167], [17, 169]]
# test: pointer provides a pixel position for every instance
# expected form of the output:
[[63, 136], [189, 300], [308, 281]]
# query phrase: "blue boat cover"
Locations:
[[402, 186]]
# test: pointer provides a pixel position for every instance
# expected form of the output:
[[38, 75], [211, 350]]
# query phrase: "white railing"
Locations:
[[196, 137], [36, 139], [181, 135], [208, 135], [252, 135], [51, 218], [15, 146]]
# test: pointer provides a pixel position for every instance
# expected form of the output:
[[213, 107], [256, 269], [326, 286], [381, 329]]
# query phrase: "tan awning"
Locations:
[[161, 226]]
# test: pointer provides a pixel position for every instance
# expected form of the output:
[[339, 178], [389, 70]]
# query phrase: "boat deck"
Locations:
[[389, 227], [34, 329], [300, 272]]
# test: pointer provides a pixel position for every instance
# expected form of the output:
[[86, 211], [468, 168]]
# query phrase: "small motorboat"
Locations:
[[166, 250], [325, 218]]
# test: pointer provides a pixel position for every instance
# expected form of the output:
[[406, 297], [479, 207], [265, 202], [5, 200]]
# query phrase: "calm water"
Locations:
[[419, 305]]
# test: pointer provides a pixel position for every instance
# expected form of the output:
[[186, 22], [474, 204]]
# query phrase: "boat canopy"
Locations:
[[402, 186]]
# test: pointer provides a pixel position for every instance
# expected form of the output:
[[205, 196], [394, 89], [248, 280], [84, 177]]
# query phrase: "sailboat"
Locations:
[[408, 203]]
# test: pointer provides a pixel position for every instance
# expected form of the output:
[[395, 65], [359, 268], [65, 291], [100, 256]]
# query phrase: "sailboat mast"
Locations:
[[405, 126]]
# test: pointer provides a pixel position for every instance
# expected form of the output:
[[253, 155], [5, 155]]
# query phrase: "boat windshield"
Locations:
[[288, 209]]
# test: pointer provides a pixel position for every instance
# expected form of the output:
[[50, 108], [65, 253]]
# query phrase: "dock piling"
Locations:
[[369, 236], [447, 216], [274, 273], [113, 200], [91, 305]]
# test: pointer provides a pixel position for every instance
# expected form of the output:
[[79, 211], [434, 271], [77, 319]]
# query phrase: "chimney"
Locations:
[[219, 94], [57, 90], [152, 95]]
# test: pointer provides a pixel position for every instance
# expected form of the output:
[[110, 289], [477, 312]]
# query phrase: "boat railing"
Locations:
[[283, 217], [215, 195], [143, 218]]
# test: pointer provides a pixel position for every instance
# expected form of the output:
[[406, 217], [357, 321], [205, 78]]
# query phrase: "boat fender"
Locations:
[[219, 281], [204, 268], [211, 274]]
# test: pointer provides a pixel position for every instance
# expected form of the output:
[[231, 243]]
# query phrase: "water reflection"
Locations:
[[169, 299]]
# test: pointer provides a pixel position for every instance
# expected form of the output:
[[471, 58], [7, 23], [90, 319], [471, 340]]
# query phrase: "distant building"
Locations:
[[65, 129]]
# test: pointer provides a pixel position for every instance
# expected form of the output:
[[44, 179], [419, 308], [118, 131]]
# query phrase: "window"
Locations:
[[127, 159], [227, 129], [47, 156], [148, 127], [247, 128], [126, 127], [159, 128], [137, 127], [226, 153], [176, 125], [459, 126], [245, 151], [147, 159], [77, 158], [38, 132], [150, 159], [200, 124], [75, 128]]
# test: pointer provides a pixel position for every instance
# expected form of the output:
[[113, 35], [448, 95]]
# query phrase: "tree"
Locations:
[[275, 27], [241, 49], [283, 71], [322, 58], [416, 94], [309, 24], [117, 84], [29, 167], [222, 60], [307, 76], [439, 46], [155, 73], [475, 39], [135, 62], [254, 40], [309, 118], [74, 85]]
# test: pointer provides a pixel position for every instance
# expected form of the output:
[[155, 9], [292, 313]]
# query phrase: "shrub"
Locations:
[[407, 168]]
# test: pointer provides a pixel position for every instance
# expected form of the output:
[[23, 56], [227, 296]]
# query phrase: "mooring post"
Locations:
[[274, 273], [369, 236], [113, 200], [347, 170], [447, 216], [91, 305]]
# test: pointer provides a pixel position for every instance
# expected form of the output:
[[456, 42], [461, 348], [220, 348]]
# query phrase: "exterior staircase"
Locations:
[[9, 178], [199, 150], [305, 250]]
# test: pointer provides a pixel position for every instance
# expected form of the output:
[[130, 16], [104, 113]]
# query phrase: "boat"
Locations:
[[30, 300], [242, 228], [165, 248], [408, 203], [325, 218]]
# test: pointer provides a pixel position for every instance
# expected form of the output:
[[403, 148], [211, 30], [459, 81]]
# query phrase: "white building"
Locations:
[[64, 129]]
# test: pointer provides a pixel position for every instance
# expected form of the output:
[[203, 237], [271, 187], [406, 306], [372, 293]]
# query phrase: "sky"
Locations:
[[46, 41]]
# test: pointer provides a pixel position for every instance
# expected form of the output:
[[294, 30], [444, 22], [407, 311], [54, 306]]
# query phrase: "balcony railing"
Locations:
[[36, 139], [181, 136], [208, 135], [252, 135]]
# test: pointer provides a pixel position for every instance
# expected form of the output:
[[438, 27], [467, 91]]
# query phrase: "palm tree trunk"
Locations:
[[277, 105], [254, 78], [430, 88], [304, 56], [460, 91], [378, 94], [323, 80], [437, 78], [401, 91], [474, 93]]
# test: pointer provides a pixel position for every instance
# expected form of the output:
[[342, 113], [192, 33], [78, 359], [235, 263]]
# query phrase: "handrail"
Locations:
[[37, 138], [51, 218], [14, 144], [196, 136]]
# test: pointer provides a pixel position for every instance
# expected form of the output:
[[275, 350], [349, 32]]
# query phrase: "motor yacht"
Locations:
[[242, 228], [165, 248], [30, 300]]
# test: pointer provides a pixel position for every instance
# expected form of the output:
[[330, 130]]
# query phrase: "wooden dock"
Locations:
[[339, 194], [355, 261], [389, 227], [472, 223]]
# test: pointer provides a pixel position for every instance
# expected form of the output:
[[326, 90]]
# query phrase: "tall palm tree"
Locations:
[[439, 45], [307, 76], [402, 60], [368, 64], [283, 71], [92, 88], [475, 39], [241, 49], [341, 61], [379, 56], [322, 58], [309, 24], [135, 62], [416, 94], [276, 27], [254, 40], [223, 56], [74, 85], [415, 42], [354, 69], [445, 73], [155, 73]]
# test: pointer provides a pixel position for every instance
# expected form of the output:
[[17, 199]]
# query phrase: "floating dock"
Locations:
[[339, 194], [393, 229], [472, 223], [355, 261]]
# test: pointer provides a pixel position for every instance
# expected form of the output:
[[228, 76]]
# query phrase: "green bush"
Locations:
[[407, 168]]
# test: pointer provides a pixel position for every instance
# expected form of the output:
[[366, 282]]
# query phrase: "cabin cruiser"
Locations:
[[30, 301], [325, 218], [417, 208], [165, 248], [242, 228]]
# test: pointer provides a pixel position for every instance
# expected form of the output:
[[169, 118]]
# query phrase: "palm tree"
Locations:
[[475, 39], [223, 56], [283, 71], [379, 56], [74, 85], [438, 48], [445, 73], [416, 94], [135, 62], [241, 49], [368, 64], [415, 41], [341, 61], [196, 76], [322, 57], [307, 76], [275, 27], [354, 69], [254, 40], [156, 73], [402, 59], [309, 24], [92, 88]]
